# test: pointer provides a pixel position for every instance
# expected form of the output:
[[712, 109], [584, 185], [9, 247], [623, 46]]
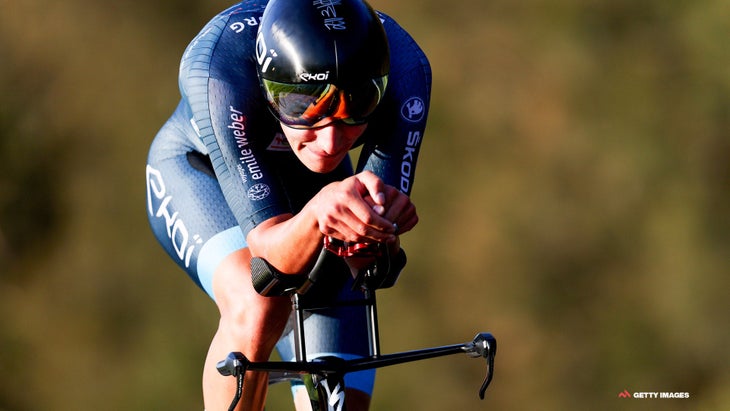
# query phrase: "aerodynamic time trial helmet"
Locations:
[[322, 59]]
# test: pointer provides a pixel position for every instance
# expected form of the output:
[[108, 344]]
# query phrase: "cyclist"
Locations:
[[227, 180]]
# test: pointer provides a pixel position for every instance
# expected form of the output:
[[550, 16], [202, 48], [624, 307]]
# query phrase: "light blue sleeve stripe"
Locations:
[[213, 253]]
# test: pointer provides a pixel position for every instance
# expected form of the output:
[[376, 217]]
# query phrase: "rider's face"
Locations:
[[322, 149]]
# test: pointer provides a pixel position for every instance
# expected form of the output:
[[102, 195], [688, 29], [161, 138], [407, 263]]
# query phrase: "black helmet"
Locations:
[[309, 49]]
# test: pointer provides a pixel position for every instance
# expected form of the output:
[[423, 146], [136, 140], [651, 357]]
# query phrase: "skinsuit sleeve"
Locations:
[[218, 80], [393, 138]]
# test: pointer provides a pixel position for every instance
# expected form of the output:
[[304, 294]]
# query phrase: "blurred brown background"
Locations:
[[574, 193]]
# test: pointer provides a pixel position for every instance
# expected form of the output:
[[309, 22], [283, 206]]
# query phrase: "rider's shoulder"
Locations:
[[247, 11], [403, 46], [390, 24]]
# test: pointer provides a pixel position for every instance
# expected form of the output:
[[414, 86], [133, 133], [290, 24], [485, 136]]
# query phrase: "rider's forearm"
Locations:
[[289, 243]]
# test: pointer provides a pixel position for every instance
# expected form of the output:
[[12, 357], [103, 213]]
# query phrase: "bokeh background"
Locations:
[[573, 189]]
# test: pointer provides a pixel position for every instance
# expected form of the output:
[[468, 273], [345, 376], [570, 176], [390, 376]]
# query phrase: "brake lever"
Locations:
[[484, 345], [235, 365]]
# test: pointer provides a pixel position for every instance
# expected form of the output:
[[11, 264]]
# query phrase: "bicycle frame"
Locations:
[[324, 377]]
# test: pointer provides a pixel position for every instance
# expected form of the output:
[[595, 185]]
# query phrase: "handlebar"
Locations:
[[484, 345]]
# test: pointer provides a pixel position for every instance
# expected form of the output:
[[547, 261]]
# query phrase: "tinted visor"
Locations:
[[305, 105]]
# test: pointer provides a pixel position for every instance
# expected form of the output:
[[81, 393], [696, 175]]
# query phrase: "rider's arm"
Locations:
[[393, 137], [291, 242], [219, 83]]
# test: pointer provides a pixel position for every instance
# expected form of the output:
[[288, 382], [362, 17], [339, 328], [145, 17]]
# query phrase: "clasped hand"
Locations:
[[362, 208]]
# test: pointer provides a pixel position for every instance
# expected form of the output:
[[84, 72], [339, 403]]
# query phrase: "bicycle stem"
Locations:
[[372, 321], [299, 340]]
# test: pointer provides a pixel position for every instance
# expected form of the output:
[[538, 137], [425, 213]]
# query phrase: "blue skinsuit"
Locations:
[[221, 165]]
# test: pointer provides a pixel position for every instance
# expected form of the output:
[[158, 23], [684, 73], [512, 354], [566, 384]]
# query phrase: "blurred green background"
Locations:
[[573, 189]]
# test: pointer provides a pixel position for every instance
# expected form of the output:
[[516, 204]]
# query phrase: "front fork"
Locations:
[[326, 394]]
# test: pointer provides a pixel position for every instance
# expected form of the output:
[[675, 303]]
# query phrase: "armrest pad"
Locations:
[[270, 282]]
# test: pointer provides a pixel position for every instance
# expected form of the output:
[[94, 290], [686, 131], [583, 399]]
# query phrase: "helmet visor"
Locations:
[[305, 105]]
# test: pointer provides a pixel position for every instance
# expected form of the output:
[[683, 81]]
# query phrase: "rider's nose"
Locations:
[[329, 138]]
